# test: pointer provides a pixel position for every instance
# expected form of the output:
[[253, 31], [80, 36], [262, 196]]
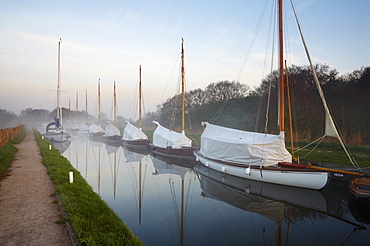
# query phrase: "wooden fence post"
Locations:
[[9, 134]]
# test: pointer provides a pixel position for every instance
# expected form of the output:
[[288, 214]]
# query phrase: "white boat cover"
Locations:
[[163, 137], [131, 132], [111, 130], [84, 127], [94, 129], [74, 126], [249, 148]]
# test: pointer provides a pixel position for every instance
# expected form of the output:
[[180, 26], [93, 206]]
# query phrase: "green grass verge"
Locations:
[[7, 153], [333, 153], [93, 221]]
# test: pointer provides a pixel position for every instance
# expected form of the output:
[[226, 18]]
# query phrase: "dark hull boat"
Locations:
[[182, 152], [360, 190], [136, 143], [167, 142], [134, 137]]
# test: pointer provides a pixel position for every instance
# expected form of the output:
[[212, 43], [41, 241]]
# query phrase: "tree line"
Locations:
[[233, 104], [236, 105]]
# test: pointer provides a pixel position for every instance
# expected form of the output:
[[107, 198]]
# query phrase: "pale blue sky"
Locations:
[[110, 39]]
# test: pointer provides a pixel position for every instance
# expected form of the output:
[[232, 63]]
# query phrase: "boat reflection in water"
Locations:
[[178, 202], [61, 146], [178, 167], [284, 205]]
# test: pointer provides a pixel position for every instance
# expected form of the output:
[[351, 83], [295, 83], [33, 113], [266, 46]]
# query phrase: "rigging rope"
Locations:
[[322, 93], [271, 69], [319, 142], [217, 114], [170, 77]]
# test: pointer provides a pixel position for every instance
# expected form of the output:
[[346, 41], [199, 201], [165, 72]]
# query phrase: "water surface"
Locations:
[[179, 202]]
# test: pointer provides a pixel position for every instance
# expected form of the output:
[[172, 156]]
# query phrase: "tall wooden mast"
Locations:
[[76, 114], [115, 104], [59, 114], [281, 66], [69, 110], [140, 99], [281, 80], [182, 88], [99, 102], [87, 119]]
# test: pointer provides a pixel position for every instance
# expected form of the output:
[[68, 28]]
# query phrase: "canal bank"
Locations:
[[30, 196], [28, 212]]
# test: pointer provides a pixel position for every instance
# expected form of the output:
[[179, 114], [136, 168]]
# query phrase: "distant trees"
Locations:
[[233, 104], [225, 90], [198, 100], [34, 115], [7, 118]]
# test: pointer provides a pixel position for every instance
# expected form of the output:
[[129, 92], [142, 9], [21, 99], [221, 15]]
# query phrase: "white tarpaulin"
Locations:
[[163, 137], [249, 148], [94, 129], [131, 132], [111, 131], [84, 127], [74, 126]]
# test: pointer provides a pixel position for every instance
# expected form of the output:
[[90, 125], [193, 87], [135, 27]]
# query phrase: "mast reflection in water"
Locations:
[[180, 202]]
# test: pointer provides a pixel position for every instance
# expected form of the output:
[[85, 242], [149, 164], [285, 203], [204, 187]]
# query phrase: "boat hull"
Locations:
[[83, 133], [184, 152], [59, 136], [360, 190], [116, 139], [136, 143], [97, 136], [296, 177]]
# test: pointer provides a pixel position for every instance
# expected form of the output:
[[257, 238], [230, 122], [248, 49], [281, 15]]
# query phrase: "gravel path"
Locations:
[[28, 212]]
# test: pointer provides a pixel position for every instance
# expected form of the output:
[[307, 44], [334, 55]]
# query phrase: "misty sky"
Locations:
[[110, 39]]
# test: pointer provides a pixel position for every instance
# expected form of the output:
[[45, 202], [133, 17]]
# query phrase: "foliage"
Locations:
[[7, 118], [34, 115], [225, 90], [92, 220], [199, 105], [221, 103], [7, 153]]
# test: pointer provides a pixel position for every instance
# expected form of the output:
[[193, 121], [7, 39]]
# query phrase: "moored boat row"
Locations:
[[250, 155]]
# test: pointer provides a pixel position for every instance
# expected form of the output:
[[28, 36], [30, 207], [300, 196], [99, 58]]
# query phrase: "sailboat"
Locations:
[[54, 130], [84, 128], [96, 131], [170, 143], [261, 156], [132, 136], [112, 133]]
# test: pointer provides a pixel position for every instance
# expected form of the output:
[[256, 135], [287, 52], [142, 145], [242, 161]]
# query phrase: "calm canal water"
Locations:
[[172, 202]]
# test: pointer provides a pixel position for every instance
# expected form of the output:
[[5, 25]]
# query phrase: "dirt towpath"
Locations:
[[28, 212]]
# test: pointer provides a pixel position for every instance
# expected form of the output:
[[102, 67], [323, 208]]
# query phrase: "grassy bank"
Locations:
[[93, 221], [7, 153], [332, 153]]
